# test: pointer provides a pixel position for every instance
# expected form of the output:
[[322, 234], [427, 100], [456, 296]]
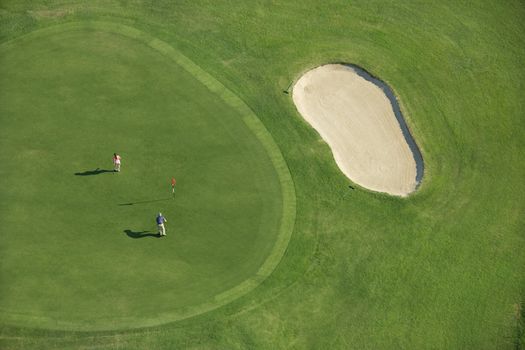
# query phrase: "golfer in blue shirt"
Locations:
[[160, 224]]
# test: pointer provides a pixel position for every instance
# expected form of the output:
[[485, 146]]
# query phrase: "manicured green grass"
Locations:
[[81, 247], [442, 269]]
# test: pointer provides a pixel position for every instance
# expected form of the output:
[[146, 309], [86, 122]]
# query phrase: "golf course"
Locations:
[[298, 220]]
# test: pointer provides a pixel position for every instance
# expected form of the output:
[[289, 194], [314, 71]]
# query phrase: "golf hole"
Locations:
[[93, 256]]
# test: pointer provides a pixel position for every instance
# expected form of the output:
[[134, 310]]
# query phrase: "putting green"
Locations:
[[77, 247]]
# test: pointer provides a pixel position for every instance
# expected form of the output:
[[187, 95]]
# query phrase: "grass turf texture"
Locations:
[[116, 92], [441, 269]]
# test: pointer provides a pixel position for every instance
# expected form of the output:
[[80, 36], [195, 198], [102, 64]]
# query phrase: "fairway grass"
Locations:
[[441, 269], [92, 235]]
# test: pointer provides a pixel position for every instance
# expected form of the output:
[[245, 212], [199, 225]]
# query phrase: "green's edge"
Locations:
[[256, 127]]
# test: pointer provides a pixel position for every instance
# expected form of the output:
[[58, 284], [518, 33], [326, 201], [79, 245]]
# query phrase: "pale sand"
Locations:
[[356, 119]]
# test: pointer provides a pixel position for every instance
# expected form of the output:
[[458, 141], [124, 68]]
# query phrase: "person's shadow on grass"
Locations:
[[140, 234], [94, 172]]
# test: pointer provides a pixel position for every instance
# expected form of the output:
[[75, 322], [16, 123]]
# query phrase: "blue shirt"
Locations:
[[160, 220]]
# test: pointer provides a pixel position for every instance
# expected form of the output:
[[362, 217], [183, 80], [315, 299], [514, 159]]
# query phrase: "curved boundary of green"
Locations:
[[256, 127]]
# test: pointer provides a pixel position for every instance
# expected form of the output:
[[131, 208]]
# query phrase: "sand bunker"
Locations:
[[360, 120]]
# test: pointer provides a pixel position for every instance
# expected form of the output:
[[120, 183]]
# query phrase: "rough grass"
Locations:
[[441, 269]]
